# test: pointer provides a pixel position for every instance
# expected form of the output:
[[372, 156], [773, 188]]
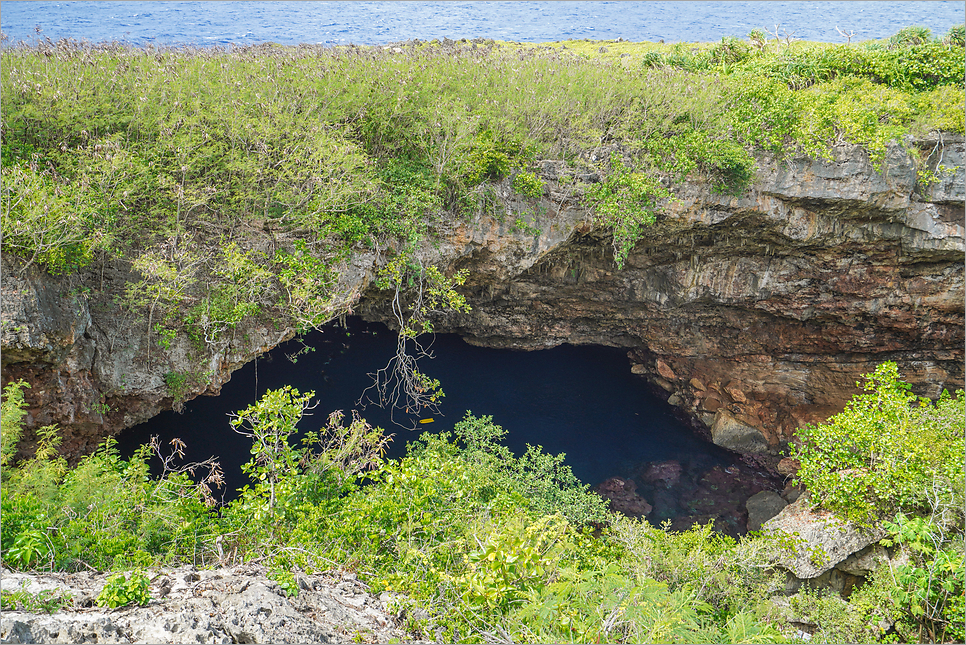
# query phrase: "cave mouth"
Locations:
[[578, 400]]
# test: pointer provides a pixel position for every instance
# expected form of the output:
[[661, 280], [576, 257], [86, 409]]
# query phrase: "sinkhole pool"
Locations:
[[578, 400]]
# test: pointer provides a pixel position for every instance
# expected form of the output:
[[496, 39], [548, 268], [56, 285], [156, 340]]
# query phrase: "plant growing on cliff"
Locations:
[[888, 451], [121, 590], [417, 292], [625, 201], [12, 411]]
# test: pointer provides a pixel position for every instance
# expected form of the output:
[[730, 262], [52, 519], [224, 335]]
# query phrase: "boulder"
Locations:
[[865, 561], [728, 432], [226, 605], [819, 540], [762, 507]]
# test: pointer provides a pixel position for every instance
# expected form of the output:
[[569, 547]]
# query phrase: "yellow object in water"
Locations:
[[426, 420]]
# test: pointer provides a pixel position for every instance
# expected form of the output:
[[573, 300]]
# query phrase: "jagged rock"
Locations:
[[728, 432], [865, 561], [788, 467], [820, 541], [762, 507], [227, 605]]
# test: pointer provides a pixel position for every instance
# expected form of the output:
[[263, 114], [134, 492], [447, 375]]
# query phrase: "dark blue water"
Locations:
[[224, 23], [582, 401]]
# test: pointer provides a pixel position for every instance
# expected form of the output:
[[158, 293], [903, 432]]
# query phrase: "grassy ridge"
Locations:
[[110, 151]]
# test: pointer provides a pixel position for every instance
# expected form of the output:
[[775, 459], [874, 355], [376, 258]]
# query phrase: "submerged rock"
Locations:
[[623, 497], [667, 473]]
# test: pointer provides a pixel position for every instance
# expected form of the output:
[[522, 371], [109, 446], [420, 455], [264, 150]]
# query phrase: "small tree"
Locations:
[[269, 423], [888, 451]]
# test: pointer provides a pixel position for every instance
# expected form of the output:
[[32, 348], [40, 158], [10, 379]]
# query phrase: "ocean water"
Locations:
[[331, 23]]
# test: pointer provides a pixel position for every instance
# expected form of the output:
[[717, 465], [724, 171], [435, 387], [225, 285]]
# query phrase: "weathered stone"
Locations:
[[697, 384], [226, 605], [711, 404], [728, 432], [820, 540], [865, 561], [637, 368], [734, 391], [665, 371], [762, 507], [788, 467]]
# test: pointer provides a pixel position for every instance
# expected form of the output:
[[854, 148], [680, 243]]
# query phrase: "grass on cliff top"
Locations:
[[235, 181]]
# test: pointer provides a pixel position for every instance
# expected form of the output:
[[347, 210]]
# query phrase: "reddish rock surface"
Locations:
[[623, 497]]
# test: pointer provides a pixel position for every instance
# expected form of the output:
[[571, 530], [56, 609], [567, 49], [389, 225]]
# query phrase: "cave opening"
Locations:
[[619, 436]]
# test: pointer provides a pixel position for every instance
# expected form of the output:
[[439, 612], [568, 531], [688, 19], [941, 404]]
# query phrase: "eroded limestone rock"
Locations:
[[227, 605], [762, 507], [818, 540]]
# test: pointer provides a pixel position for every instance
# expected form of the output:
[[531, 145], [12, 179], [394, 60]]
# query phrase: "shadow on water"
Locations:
[[579, 400]]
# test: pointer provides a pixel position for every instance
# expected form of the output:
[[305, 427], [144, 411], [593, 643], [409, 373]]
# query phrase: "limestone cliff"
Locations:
[[755, 313]]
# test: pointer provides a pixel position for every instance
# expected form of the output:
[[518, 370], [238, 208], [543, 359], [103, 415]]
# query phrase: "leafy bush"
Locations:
[[104, 512], [527, 184], [121, 591], [626, 202], [956, 36], [929, 586], [910, 36], [888, 451]]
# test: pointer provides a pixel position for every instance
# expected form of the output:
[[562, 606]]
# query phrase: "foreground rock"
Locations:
[[822, 550], [229, 605]]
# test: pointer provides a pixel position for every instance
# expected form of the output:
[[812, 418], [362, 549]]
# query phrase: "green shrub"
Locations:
[[12, 411], [910, 36], [47, 600], [956, 36], [626, 202], [527, 184], [928, 587], [121, 591], [888, 451]]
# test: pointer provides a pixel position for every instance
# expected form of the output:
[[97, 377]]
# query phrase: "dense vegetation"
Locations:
[[235, 182], [485, 545]]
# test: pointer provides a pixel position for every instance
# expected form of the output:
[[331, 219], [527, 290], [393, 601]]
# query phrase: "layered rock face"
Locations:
[[755, 314]]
